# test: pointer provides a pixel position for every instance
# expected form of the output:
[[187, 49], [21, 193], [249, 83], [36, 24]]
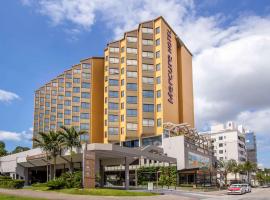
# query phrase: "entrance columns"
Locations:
[[89, 178], [126, 173]]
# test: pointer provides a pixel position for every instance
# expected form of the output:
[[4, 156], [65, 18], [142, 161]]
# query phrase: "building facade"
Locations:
[[73, 99], [228, 141], [251, 145], [148, 82]]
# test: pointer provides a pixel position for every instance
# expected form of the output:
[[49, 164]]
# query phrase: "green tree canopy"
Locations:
[[3, 151], [19, 149]]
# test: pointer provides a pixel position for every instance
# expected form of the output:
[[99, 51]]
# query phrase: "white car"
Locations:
[[247, 187], [236, 189]]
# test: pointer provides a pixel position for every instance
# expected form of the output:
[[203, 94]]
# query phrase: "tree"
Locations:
[[225, 167], [70, 138], [249, 167], [3, 151], [50, 143], [19, 149]]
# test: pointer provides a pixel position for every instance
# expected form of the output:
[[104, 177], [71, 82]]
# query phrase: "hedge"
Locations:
[[10, 183]]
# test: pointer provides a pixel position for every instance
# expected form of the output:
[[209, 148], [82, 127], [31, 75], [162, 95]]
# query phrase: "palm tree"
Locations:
[[71, 139], [50, 143], [249, 167], [225, 167], [237, 169]]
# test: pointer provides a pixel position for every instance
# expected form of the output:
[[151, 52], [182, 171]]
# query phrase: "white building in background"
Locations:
[[228, 141]]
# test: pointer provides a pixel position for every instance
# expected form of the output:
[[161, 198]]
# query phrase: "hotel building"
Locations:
[[147, 82], [73, 99]]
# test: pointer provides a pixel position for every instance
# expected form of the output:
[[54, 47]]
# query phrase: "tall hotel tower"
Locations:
[[147, 82], [73, 98]]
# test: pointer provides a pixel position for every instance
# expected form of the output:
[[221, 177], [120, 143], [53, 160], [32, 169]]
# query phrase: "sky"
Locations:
[[229, 40]]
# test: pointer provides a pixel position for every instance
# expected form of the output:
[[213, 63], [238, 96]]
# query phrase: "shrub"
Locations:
[[72, 180], [10, 183], [56, 184], [39, 185], [5, 177]]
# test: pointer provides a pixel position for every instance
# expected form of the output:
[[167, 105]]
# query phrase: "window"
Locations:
[[76, 71], [85, 85], [54, 84], [158, 67], [85, 116], [68, 76], [114, 49], [75, 99], [60, 106], [76, 80], [85, 105], [60, 97], [148, 107], [60, 89], [158, 54], [122, 59], [147, 30], [132, 99], [54, 92], [220, 151], [113, 106], [75, 119], [113, 71], [113, 82], [122, 130], [122, 49], [47, 96], [68, 84], [131, 62], [148, 80], [122, 118], [122, 93], [47, 112], [158, 94], [59, 124], [86, 75], [113, 131], [147, 54], [220, 145], [157, 42], [122, 105], [75, 109], [67, 121], [148, 122], [67, 112], [220, 138], [46, 120], [158, 107], [76, 89], [131, 39], [67, 102], [158, 80], [157, 30], [86, 66], [84, 126], [114, 60], [68, 94], [47, 104], [41, 99], [122, 82], [113, 94], [148, 93], [132, 112], [59, 115], [86, 95], [147, 67], [113, 118], [53, 101], [132, 50], [132, 74], [132, 126], [52, 127], [159, 122], [147, 42], [122, 70], [132, 86], [53, 109]]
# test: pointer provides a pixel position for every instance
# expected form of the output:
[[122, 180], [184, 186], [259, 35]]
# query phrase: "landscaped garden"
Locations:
[[12, 197]]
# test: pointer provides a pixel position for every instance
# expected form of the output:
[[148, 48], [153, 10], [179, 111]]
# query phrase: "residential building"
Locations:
[[228, 141], [73, 99], [148, 82], [251, 146]]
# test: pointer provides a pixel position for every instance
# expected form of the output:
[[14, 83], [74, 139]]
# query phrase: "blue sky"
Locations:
[[40, 39]]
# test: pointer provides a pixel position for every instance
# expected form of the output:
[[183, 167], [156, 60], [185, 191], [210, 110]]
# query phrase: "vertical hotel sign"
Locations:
[[170, 67]]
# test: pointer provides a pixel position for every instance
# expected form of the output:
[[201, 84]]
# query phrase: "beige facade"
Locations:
[[73, 99], [148, 81]]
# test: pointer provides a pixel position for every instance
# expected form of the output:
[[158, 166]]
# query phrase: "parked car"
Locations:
[[236, 189], [266, 186], [247, 187]]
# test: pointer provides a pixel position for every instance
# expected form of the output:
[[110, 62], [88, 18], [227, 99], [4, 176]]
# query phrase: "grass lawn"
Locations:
[[96, 192], [11, 197]]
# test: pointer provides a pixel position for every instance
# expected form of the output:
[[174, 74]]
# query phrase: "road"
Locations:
[[256, 194]]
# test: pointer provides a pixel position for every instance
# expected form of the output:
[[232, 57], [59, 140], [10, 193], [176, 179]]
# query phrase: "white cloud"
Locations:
[[6, 96], [16, 136]]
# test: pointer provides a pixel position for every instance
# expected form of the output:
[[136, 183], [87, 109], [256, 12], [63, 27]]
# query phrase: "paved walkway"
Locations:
[[61, 196]]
